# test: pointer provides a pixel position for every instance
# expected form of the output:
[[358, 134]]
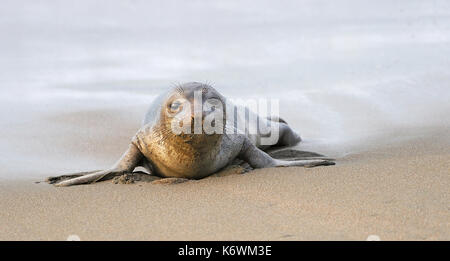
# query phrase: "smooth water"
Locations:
[[344, 71]]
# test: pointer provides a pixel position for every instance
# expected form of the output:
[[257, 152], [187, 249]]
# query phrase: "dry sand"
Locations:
[[397, 192]]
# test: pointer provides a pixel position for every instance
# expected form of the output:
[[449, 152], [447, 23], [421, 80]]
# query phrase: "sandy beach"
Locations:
[[365, 82], [396, 191]]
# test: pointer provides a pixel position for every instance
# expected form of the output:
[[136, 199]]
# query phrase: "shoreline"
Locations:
[[397, 193]]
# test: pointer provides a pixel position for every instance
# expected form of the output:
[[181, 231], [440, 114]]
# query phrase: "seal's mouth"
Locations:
[[199, 141]]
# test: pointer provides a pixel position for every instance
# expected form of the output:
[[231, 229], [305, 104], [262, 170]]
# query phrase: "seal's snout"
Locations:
[[198, 116], [196, 121]]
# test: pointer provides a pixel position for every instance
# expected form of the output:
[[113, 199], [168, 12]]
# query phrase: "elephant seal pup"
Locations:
[[171, 144]]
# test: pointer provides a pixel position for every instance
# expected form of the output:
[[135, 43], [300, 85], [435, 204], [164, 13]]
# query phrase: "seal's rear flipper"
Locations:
[[260, 159], [276, 119], [292, 154]]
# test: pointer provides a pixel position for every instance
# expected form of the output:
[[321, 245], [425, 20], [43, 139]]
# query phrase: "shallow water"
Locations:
[[344, 71]]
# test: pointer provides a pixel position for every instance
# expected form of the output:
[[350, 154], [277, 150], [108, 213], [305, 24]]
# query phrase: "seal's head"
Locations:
[[195, 112]]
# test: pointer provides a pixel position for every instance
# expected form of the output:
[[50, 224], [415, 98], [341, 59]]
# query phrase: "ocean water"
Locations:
[[345, 72]]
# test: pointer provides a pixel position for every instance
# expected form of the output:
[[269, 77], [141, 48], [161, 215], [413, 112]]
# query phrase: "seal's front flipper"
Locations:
[[90, 178], [129, 160], [259, 159], [53, 180]]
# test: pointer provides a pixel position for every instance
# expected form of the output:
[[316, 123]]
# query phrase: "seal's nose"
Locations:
[[199, 115], [197, 122]]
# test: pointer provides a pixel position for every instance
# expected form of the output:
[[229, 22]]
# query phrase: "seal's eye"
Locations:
[[212, 104], [210, 108], [175, 106]]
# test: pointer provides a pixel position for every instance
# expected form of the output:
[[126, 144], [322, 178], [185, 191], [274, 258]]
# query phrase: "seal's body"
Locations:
[[197, 152]]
